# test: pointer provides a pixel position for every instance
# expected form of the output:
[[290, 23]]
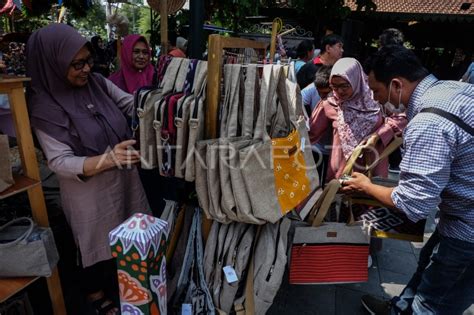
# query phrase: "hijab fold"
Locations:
[[85, 118], [128, 78], [359, 115]]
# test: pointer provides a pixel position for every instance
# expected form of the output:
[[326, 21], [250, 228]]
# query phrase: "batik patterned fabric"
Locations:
[[139, 245], [188, 84], [161, 67], [291, 182]]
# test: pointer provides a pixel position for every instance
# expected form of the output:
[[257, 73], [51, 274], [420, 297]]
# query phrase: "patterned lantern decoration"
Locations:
[[139, 245]]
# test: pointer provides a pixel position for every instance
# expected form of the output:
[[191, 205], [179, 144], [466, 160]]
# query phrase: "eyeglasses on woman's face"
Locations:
[[79, 64], [342, 87]]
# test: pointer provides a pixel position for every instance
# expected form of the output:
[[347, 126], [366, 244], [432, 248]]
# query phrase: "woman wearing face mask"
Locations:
[[354, 115], [136, 70], [80, 120]]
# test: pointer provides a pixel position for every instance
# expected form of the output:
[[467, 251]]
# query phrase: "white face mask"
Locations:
[[392, 109]]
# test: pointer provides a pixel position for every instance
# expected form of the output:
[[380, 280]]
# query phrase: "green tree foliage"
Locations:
[[231, 13], [93, 23], [316, 13], [320, 13]]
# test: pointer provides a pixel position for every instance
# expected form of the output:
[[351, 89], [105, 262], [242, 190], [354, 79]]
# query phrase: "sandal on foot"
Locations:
[[104, 305]]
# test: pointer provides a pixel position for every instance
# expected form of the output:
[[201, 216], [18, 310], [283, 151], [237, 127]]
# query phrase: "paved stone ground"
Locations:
[[392, 268]]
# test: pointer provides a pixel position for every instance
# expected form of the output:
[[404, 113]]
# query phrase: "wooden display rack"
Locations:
[[30, 182], [217, 45]]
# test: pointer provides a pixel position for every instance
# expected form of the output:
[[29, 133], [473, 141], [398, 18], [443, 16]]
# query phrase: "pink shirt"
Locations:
[[324, 116]]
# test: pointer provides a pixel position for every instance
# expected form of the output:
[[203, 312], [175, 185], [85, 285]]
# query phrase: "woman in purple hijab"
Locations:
[[80, 121]]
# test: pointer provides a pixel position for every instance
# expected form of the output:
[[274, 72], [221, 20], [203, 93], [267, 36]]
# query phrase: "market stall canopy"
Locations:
[[426, 10]]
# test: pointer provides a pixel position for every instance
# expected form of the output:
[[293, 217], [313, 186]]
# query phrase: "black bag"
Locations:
[[17, 305]]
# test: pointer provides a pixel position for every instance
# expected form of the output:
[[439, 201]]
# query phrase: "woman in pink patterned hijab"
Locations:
[[359, 112], [353, 115]]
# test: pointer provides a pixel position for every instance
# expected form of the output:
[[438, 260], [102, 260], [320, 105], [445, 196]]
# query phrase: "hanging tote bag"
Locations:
[[146, 109], [196, 121], [32, 245], [237, 258], [270, 259], [192, 294], [6, 177], [167, 128], [157, 119], [181, 122], [220, 204], [243, 207], [229, 133], [329, 252], [280, 172], [181, 117]]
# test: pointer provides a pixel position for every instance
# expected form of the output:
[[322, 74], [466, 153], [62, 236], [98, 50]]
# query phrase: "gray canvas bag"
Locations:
[[167, 87], [214, 188], [207, 172], [243, 207], [226, 232], [145, 114], [238, 257], [6, 177], [173, 269], [32, 245], [227, 245], [201, 176], [196, 122], [257, 160], [147, 148], [192, 287], [210, 252], [163, 145], [269, 263], [169, 213], [182, 120], [181, 77], [181, 123], [228, 134]]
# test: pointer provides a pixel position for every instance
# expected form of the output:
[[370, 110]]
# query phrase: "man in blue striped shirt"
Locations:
[[437, 170]]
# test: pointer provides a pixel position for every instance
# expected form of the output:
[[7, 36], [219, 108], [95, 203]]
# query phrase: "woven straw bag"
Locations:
[[173, 5]]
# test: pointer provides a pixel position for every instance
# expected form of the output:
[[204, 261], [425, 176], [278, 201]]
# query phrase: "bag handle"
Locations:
[[250, 100], [248, 307], [169, 78], [321, 207], [23, 236], [229, 110], [274, 78], [396, 142], [199, 77], [181, 76]]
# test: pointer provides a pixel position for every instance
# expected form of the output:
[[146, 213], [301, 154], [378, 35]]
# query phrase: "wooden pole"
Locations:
[[164, 26], [273, 40]]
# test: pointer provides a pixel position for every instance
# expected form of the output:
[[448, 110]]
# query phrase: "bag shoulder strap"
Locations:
[[321, 208], [451, 117], [396, 142], [248, 305]]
